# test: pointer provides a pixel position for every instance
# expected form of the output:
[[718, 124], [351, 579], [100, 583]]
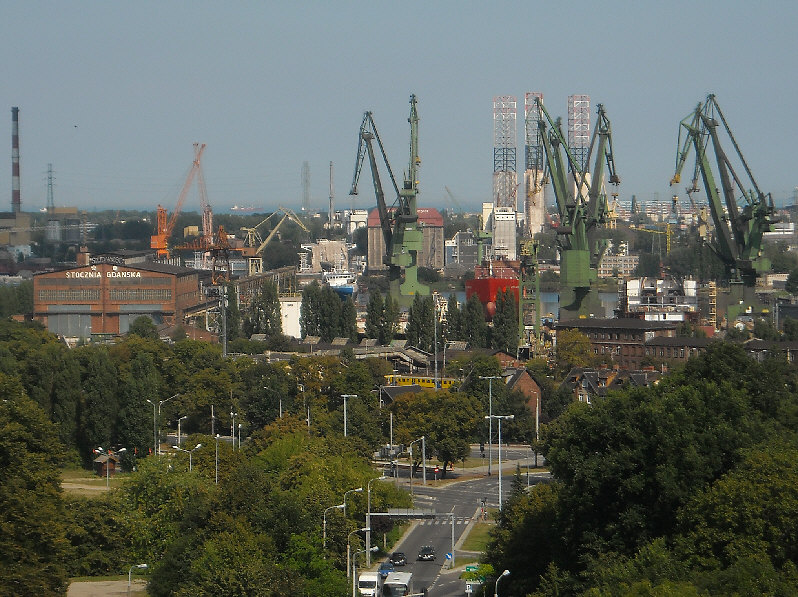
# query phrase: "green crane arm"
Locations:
[[738, 233]]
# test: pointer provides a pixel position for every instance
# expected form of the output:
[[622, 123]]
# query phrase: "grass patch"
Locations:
[[478, 537]]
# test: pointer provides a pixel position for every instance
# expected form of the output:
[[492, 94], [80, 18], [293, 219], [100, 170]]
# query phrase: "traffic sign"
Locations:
[[471, 568], [449, 555]]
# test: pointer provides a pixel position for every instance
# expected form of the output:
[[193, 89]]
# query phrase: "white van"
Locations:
[[369, 583]]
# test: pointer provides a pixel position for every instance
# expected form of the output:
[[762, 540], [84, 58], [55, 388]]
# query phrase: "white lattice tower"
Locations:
[[504, 151], [579, 127]]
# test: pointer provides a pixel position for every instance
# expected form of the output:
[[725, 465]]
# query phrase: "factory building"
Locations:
[[431, 255], [106, 295]]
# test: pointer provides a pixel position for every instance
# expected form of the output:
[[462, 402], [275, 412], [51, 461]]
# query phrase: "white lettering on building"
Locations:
[[123, 274], [83, 275]]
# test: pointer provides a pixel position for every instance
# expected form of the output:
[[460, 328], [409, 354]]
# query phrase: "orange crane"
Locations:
[[163, 229]]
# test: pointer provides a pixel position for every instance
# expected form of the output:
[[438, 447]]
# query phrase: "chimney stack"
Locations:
[[16, 203]]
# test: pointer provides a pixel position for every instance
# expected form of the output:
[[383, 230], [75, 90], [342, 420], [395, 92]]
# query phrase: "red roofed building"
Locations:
[[431, 255]]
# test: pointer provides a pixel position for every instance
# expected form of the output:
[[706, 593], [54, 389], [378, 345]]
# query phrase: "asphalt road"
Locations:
[[456, 504]]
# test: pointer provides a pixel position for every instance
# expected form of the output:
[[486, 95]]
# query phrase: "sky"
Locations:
[[115, 94]]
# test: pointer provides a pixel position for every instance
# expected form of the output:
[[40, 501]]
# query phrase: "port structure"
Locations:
[[164, 225], [582, 206], [404, 237], [740, 216]]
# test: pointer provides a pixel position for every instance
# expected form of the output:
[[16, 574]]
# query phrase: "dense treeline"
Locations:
[[684, 488], [258, 531]]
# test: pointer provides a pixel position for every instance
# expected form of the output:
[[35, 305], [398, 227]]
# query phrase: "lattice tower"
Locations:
[[504, 151], [579, 127]]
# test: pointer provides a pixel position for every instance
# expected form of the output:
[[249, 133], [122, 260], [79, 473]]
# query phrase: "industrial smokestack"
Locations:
[[16, 203]]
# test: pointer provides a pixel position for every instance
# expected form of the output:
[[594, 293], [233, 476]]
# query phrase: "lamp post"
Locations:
[[490, 379], [324, 524], [130, 574], [345, 396], [233, 428], [358, 490], [239, 436], [496, 589], [189, 452], [179, 443], [499, 418], [349, 548], [305, 404], [217, 459], [99, 450], [354, 565], [423, 460], [368, 517], [156, 421]]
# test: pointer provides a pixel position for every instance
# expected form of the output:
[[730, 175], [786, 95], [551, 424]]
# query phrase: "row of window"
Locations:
[[76, 295], [160, 295], [614, 336]]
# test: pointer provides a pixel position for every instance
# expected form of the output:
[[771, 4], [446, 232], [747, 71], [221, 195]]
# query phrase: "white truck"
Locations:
[[398, 584], [369, 584]]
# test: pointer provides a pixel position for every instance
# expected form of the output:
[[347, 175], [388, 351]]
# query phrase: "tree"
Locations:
[[263, 316], [390, 320], [349, 320], [475, 330], [453, 324], [420, 322], [33, 541], [99, 405], [791, 285], [790, 328], [330, 314], [447, 421], [375, 314], [144, 327], [573, 350], [310, 311], [504, 335]]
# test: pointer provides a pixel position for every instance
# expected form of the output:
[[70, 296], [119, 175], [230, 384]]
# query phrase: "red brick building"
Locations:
[[107, 295]]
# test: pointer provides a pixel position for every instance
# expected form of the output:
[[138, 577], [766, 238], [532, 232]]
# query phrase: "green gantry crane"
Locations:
[[582, 206], [738, 229], [403, 236]]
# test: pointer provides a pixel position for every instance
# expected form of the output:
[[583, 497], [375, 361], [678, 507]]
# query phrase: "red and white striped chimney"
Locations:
[[16, 203]]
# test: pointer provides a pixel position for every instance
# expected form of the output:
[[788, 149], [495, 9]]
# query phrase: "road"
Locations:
[[456, 504]]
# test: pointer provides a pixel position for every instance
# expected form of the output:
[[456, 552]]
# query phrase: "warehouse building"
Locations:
[[107, 294]]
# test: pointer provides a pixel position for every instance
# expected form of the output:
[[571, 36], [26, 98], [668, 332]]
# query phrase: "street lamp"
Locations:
[[239, 436], [130, 574], [422, 439], [324, 525], [217, 459], [99, 450], [358, 490], [499, 418], [503, 574], [305, 403], [155, 421], [179, 443], [354, 564], [233, 428], [490, 379], [349, 547], [345, 396], [368, 517], [189, 452]]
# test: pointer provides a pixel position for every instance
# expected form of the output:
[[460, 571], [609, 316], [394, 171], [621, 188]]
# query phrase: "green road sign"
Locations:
[[471, 568]]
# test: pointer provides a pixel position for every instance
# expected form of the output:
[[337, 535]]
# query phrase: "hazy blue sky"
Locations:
[[113, 94]]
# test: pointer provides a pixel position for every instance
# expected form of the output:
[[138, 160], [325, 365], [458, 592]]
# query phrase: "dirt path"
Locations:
[[106, 588]]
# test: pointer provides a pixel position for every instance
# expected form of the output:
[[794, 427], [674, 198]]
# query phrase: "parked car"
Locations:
[[426, 553], [385, 569], [398, 559]]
